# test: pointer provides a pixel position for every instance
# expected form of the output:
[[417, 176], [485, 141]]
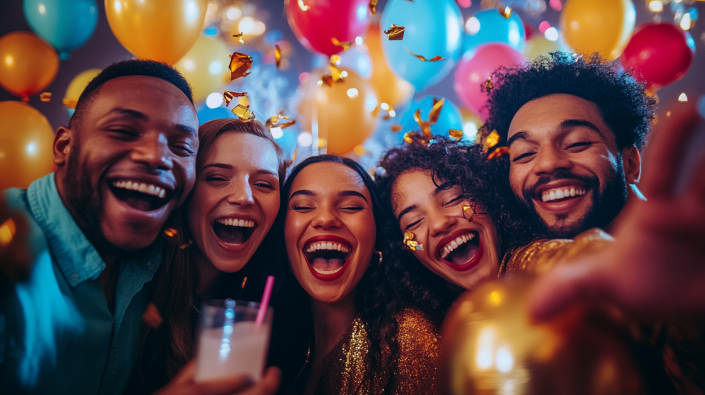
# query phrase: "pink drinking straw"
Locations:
[[262, 312]]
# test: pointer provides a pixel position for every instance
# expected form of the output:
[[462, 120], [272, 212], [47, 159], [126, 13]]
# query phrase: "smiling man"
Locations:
[[574, 127], [124, 163]]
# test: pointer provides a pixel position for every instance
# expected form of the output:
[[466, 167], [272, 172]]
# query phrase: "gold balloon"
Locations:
[[602, 26], [489, 346], [77, 85], [26, 145], [205, 66], [344, 111], [539, 46], [162, 30], [27, 64], [390, 88]]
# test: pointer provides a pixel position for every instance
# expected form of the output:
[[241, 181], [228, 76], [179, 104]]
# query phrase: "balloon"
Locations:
[[476, 67], [343, 112], [541, 46], [433, 28], [471, 124], [162, 30], [205, 66], [494, 28], [65, 24], [26, 145], [357, 59], [659, 53], [28, 64], [390, 88], [602, 26], [317, 22], [206, 114], [448, 118], [77, 85], [489, 346]]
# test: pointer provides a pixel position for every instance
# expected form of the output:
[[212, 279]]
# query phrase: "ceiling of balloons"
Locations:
[[354, 81]]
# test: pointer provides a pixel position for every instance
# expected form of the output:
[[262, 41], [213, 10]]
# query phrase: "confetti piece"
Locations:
[[397, 128], [240, 65], [490, 141], [274, 121], [69, 103], [335, 60], [410, 243], [228, 96], [187, 245], [7, 232], [395, 32], [278, 55], [45, 96], [456, 134], [239, 37], [424, 136], [171, 232], [505, 12], [435, 110], [498, 152], [423, 58], [243, 112], [488, 84], [244, 281], [408, 137], [375, 112], [303, 7], [335, 74], [345, 44], [373, 6], [296, 153], [152, 317]]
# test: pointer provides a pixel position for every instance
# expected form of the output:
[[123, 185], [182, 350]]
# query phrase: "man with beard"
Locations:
[[124, 163]]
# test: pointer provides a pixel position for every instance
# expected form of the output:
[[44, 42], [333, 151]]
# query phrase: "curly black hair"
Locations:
[[483, 182], [622, 100]]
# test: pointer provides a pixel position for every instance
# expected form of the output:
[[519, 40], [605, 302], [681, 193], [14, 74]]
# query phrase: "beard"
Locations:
[[606, 205]]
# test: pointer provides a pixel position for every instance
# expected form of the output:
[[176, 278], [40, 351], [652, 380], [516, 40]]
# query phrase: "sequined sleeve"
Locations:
[[541, 255], [418, 354]]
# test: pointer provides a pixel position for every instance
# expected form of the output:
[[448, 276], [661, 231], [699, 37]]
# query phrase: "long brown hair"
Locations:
[[167, 348]]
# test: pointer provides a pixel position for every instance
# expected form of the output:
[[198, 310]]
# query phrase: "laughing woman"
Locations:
[[350, 330]]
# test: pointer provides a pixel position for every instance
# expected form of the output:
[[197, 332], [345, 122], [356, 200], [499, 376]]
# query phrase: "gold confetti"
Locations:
[[488, 84], [303, 7], [373, 6], [409, 137], [296, 153], [335, 59], [278, 55], [273, 121], [240, 65], [423, 58], [456, 134], [171, 232], [228, 96], [243, 112], [7, 232], [397, 128], [45, 96], [345, 44], [152, 317], [395, 32], [498, 152], [435, 110], [490, 141], [335, 74], [239, 37], [244, 281], [505, 12], [69, 103], [187, 245], [410, 243], [375, 112]]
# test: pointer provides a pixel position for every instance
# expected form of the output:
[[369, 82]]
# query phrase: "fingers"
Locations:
[[230, 385], [268, 385]]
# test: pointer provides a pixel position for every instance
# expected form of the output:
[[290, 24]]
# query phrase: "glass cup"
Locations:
[[229, 340]]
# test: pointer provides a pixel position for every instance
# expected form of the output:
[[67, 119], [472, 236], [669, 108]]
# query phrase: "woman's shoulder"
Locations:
[[416, 324]]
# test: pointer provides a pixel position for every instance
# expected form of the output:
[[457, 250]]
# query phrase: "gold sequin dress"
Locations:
[[346, 369]]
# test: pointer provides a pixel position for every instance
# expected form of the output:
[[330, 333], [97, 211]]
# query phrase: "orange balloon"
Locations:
[[27, 64], [26, 145], [344, 112], [162, 30], [602, 26], [390, 88]]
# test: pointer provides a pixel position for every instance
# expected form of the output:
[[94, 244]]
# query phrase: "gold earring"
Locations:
[[410, 243]]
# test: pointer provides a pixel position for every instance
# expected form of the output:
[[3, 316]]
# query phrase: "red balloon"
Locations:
[[658, 53], [476, 67], [317, 22]]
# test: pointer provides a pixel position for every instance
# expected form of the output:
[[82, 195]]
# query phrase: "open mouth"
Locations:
[[328, 257], [561, 194], [233, 231], [140, 195], [459, 252]]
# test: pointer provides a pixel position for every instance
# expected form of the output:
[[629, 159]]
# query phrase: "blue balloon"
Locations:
[[494, 28], [65, 24], [432, 28], [206, 114], [449, 118]]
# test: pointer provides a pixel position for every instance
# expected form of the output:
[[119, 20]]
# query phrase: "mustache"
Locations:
[[591, 182]]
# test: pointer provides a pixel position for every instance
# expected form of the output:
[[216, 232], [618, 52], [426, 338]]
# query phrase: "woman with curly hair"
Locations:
[[347, 323]]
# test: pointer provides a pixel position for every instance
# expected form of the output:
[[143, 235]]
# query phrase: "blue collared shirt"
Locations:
[[57, 334]]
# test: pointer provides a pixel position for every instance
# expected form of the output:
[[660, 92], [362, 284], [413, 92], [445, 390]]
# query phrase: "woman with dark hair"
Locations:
[[219, 245], [348, 324]]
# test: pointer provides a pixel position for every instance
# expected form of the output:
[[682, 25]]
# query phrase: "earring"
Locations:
[[380, 257], [467, 213], [410, 243]]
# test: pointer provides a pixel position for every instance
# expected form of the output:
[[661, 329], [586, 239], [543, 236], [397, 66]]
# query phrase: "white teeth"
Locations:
[[327, 272], [327, 246], [561, 193], [460, 240], [235, 222], [148, 189]]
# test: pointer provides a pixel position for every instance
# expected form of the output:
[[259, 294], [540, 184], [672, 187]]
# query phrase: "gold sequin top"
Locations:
[[346, 368]]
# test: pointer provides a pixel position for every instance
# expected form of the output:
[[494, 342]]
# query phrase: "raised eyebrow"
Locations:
[[406, 211], [517, 136]]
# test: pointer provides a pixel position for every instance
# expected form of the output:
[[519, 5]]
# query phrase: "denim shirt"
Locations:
[[57, 334]]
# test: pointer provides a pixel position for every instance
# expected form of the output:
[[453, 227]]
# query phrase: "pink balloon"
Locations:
[[476, 67]]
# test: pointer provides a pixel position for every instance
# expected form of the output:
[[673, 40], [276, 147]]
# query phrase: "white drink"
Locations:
[[240, 348]]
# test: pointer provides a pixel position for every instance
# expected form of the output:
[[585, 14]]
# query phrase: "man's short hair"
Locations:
[[623, 101], [127, 68]]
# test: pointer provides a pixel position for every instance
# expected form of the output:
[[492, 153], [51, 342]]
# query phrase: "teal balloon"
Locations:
[[206, 114], [65, 24], [449, 117], [494, 28], [432, 28]]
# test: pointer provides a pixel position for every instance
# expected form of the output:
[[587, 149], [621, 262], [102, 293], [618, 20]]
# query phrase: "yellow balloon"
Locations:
[[205, 66], [77, 85], [539, 46], [489, 346], [602, 26], [344, 112], [27, 64], [390, 88], [26, 145], [162, 30]]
